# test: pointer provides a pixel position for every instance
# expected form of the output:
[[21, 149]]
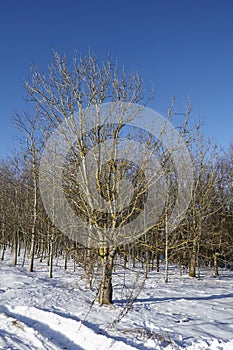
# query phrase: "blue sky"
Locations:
[[185, 48]]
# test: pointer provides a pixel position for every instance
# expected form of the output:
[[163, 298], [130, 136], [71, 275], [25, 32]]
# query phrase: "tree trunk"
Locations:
[[51, 260], [216, 273], [51, 252], [3, 233], [32, 252], [185, 260], [15, 249], [193, 260], [66, 260], [24, 253], [157, 260], [3, 252], [192, 266], [166, 249], [106, 290]]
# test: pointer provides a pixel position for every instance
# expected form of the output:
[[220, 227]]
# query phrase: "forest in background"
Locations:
[[204, 237]]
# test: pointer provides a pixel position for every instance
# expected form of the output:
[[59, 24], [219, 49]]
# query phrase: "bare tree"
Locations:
[[28, 127], [58, 97]]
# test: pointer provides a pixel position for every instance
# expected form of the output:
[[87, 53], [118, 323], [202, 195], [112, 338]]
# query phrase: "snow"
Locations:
[[37, 312]]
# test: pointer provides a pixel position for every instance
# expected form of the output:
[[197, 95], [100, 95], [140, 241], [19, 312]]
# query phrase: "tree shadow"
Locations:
[[99, 330], [5, 336], [53, 336], [189, 298]]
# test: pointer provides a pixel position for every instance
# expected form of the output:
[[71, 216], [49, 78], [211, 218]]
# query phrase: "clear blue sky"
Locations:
[[184, 47]]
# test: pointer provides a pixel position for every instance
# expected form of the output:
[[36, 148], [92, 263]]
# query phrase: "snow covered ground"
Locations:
[[41, 313]]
